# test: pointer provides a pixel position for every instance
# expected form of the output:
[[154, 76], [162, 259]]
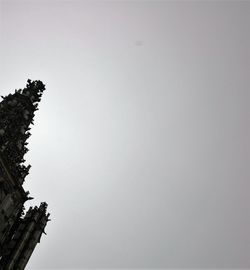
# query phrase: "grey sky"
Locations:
[[141, 144]]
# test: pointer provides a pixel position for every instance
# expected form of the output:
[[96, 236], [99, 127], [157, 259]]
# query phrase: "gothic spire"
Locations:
[[16, 114]]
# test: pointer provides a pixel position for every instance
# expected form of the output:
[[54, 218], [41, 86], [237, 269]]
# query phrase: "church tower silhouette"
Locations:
[[19, 231]]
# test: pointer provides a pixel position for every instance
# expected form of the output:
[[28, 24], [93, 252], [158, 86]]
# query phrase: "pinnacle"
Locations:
[[16, 115]]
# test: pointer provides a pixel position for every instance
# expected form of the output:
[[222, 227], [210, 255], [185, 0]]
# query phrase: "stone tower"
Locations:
[[19, 232]]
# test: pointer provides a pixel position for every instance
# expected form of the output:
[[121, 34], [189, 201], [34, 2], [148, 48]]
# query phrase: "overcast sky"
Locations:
[[141, 145]]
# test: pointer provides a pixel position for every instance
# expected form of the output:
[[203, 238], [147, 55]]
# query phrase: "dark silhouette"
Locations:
[[19, 232]]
